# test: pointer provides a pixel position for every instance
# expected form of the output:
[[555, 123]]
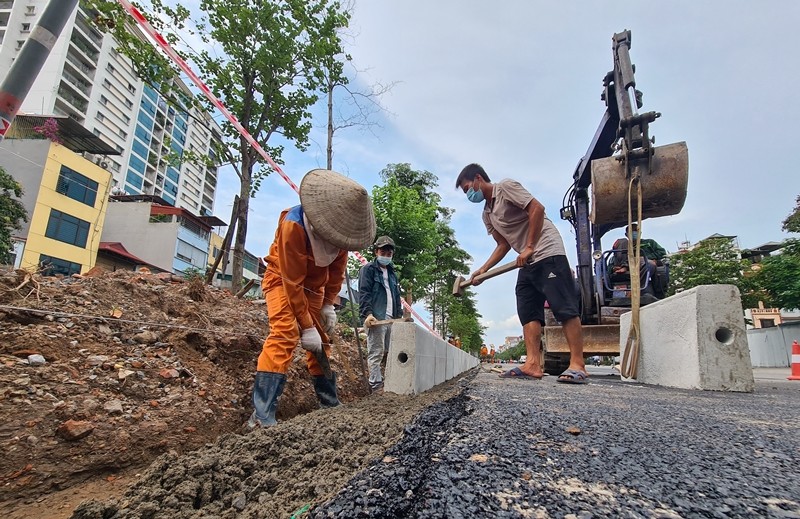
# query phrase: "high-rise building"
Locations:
[[86, 79]]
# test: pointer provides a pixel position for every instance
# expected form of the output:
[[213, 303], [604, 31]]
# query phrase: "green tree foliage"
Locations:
[[409, 219], [792, 222], [12, 213], [463, 322], [515, 352], [713, 261], [779, 276], [408, 208], [266, 61]]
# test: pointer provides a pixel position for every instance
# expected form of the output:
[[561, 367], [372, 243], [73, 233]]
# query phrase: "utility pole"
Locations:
[[31, 58]]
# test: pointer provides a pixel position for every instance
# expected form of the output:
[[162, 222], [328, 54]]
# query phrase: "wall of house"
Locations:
[[129, 224], [24, 160], [48, 199]]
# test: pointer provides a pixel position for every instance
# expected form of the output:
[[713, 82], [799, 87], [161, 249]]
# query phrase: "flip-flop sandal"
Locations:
[[517, 373], [573, 376]]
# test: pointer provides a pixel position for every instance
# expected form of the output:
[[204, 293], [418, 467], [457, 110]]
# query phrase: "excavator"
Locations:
[[621, 180]]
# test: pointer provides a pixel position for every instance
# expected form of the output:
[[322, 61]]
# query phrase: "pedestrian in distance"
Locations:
[[378, 299], [516, 220], [305, 270]]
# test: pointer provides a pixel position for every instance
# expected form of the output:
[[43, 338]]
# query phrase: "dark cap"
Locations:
[[383, 241]]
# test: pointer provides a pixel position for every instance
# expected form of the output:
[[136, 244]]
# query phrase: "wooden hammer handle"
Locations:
[[496, 271]]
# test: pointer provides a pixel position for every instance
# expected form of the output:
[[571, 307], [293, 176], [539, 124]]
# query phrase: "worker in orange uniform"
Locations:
[[305, 270], [491, 354], [484, 352]]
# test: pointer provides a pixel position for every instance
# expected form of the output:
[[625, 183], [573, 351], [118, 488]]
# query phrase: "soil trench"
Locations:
[[103, 374]]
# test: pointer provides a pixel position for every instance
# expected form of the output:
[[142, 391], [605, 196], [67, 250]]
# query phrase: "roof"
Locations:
[[213, 221], [141, 198], [72, 134], [118, 249]]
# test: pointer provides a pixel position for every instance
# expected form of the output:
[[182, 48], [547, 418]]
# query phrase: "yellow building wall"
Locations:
[[49, 199], [214, 241]]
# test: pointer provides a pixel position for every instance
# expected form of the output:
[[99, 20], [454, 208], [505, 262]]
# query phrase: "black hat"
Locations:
[[383, 241]]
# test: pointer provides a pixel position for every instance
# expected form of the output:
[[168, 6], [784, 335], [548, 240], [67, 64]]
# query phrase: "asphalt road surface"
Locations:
[[525, 448]]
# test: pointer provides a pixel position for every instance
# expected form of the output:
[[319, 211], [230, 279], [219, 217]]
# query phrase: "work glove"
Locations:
[[311, 340], [369, 321], [328, 318]]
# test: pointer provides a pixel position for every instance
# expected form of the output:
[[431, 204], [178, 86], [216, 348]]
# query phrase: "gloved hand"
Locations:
[[328, 319], [311, 340], [369, 321]]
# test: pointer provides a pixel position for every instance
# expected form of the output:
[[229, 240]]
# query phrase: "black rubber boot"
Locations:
[[266, 390], [326, 391]]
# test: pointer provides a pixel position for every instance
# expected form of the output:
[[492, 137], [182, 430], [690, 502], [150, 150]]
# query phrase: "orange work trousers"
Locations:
[[284, 332]]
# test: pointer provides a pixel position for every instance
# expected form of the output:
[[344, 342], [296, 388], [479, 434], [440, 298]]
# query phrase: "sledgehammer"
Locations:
[[461, 284]]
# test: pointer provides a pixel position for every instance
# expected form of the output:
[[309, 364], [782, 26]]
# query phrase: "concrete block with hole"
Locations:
[[695, 339], [418, 360]]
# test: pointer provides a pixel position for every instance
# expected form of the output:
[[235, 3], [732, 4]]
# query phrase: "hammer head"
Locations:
[[457, 286]]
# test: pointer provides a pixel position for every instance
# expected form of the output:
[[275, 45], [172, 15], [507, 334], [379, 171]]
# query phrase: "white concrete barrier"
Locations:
[[418, 360], [693, 340]]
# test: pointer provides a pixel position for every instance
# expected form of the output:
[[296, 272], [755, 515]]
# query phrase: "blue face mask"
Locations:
[[634, 235], [475, 196], [384, 261]]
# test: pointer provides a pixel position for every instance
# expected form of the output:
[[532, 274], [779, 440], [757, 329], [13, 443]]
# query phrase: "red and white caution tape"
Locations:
[[181, 63]]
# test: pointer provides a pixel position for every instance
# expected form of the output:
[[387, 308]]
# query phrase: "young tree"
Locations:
[[409, 220], [264, 60], [12, 213], [714, 261], [792, 222], [780, 276]]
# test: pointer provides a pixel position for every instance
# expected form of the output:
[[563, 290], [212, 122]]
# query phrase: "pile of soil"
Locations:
[[100, 374]]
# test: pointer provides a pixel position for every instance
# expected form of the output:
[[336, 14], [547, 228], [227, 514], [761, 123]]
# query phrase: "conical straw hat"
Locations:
[[338, 208]]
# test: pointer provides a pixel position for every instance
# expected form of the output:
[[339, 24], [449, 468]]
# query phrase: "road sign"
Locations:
[[5, 124]]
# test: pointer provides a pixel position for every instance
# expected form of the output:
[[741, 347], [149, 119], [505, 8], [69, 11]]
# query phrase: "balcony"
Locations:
[[85, 48], [74, 101], [81, 85], [90, 32], [65, 105], [80, 67]]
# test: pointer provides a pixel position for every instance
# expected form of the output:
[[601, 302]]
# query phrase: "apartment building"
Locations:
[[86, 79]]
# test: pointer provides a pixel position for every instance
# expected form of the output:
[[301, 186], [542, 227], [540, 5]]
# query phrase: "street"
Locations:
[[526, 448]]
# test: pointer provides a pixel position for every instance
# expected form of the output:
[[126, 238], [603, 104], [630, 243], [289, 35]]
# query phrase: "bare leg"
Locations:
[[574, 335], [532, 333]]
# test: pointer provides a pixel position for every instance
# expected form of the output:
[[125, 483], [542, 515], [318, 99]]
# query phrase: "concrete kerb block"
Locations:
[[418, 360], [693, 340]]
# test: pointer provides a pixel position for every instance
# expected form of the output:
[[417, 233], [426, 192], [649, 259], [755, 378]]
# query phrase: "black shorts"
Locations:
[[548, 280]]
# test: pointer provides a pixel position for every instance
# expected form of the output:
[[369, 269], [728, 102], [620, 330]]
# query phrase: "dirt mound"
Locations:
[[275, 472], [111, 370]]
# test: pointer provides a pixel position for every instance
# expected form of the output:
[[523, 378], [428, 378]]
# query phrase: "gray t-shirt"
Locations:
[[506, 212]]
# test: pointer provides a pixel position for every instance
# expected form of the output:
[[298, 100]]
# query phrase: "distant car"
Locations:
[[523, 359]]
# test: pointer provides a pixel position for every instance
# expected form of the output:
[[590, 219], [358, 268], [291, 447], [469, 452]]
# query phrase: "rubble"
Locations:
[[134, 367]]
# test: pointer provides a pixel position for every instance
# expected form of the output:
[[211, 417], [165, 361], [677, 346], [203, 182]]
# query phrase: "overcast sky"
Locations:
[[515, 86]]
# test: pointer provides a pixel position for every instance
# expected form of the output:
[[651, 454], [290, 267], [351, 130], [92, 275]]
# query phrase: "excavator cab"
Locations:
[[615, 272]]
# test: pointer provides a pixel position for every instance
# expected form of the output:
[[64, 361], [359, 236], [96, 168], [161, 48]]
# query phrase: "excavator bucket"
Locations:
[[663, 188]]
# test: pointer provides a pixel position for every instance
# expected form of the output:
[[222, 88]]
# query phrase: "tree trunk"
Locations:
[[330, 125], [241, 224], [226, 244]]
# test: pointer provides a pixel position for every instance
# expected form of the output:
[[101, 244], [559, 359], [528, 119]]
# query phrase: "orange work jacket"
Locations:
[[290, 263]]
